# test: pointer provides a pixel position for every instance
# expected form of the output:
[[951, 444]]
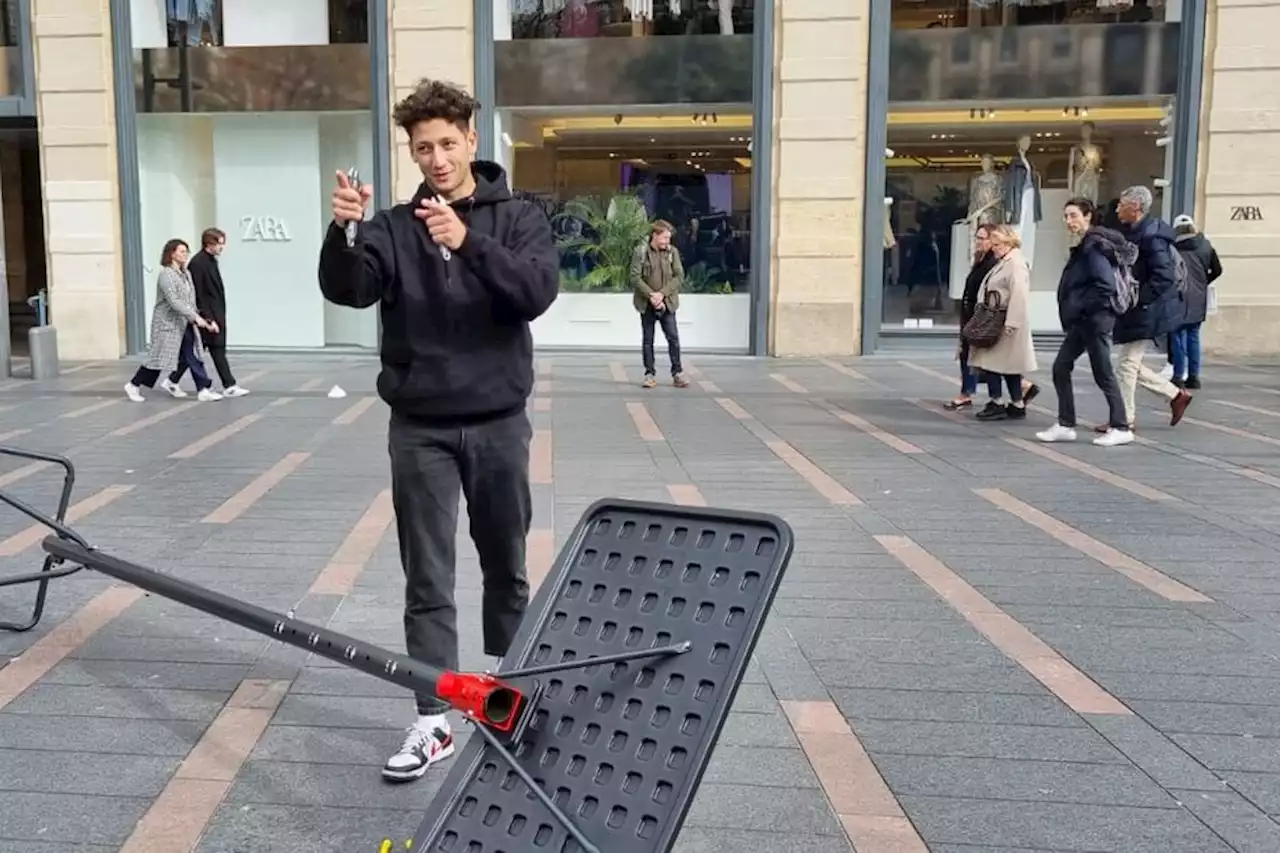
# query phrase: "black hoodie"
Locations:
[[1088, 280], [456, 345]]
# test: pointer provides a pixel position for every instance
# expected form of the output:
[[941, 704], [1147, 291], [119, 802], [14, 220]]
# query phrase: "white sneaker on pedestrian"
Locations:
[[1114, 438], [208, 395], [133, 392], [426, 742], [1057, 432], [234, 391], [172, 388]]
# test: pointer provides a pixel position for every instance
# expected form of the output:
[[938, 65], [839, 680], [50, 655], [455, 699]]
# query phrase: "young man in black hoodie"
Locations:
[[459, 273]]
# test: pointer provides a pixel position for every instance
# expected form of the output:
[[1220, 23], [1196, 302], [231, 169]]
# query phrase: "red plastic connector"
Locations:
[[483, 698]]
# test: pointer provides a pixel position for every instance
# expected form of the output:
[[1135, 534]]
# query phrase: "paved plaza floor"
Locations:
[[981, 644]]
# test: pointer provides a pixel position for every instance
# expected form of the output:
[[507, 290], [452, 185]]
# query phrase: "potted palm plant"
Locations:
[[600, 234], [605, 235]]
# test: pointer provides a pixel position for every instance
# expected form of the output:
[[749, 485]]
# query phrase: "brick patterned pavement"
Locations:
[[982, 644]]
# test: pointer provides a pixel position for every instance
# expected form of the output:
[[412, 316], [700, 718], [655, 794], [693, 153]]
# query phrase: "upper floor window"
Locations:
[[557, 19], [931, 14]]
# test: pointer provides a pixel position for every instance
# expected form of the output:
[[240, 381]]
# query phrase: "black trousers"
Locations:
[[217, 352], [1093, 336], [488, 463], [667, 320], [146, 377]]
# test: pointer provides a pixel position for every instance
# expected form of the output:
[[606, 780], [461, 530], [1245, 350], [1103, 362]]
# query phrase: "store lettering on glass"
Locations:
[[264, 229]]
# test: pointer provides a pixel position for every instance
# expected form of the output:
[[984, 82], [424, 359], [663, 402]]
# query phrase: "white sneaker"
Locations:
[[133, 392], [1114, 438], [1057, 432], [172, 388], [208, 395], [426, 742], [234, 391]]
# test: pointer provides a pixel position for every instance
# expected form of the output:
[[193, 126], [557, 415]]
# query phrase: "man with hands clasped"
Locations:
[[458, 273]]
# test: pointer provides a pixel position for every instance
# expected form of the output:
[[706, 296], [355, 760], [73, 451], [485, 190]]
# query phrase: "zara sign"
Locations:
[[264, 229]]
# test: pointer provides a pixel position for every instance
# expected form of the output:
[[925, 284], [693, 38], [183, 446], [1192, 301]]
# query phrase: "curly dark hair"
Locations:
[[433, 99]]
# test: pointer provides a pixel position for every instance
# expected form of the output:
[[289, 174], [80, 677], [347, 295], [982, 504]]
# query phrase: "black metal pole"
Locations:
[[378, 662]]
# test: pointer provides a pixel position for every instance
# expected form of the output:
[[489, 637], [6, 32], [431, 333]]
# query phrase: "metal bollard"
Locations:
[[42, 340]]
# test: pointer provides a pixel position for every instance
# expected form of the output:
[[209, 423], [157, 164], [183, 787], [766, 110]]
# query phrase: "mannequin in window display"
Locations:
[[986, 207], [1022, 198], [1084, 166], [985, 195]]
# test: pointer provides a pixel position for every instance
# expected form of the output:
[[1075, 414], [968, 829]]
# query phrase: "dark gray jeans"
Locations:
[[488, 463]]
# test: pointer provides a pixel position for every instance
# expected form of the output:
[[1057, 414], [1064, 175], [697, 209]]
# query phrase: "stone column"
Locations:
[[78, 169], [429, 38], [1239, 178], [820, 133]]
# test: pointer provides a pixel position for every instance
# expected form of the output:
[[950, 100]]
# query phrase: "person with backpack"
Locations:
[[1203, 269], [1161, 275], [1095, 286]]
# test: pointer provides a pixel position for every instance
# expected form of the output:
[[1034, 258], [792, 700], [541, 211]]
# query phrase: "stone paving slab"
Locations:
[[959, 725]]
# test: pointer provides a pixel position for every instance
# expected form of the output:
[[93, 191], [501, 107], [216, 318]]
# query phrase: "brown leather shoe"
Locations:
[[1178, 407]]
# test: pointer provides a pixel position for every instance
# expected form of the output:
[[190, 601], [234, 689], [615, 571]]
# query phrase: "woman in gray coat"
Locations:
[[174, 339]]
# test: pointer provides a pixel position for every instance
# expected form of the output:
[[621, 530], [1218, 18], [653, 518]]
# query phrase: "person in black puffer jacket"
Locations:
[[1085, 311], [1203, 269], [1159, 310]]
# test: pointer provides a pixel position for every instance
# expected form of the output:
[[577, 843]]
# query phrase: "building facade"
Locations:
[[824, 162]]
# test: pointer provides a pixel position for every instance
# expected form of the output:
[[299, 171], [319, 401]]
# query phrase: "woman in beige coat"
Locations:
[[1014, 355]]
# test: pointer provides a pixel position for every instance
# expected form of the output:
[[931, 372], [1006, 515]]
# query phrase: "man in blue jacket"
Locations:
[[1159, 309], [458, 273]]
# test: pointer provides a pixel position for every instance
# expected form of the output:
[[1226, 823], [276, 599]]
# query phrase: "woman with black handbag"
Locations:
[[983, 262], [999, 333]]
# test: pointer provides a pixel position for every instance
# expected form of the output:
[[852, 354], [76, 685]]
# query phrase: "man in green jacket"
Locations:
[[656, 277]]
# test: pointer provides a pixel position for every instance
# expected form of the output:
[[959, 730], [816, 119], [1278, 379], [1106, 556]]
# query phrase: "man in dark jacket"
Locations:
[[211, 302], [1203, 269], [459, 273], [1085, 310], [1159, 309]]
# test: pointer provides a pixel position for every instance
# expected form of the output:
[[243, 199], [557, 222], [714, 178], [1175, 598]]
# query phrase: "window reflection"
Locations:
[[10, 51], [250, 55], [563, 19], [238, 23], [933, 14], [603, 181]]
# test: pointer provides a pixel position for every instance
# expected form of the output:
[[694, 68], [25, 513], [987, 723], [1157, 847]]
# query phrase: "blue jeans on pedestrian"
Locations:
[[1186, 351], [969, 377]]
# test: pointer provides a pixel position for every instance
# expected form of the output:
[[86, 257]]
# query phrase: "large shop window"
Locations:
[[950, 172], [246, 110], [1001, 110], [612, 129]]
